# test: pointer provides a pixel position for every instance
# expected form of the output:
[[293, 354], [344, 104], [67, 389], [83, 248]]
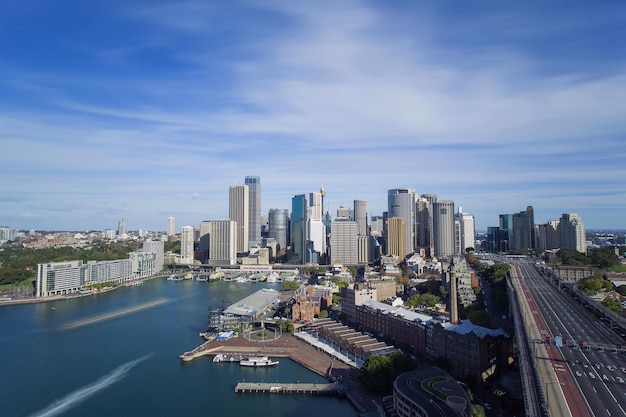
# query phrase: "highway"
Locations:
[[591, 379]]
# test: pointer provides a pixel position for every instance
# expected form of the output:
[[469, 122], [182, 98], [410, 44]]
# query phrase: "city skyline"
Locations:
[[143, 111]]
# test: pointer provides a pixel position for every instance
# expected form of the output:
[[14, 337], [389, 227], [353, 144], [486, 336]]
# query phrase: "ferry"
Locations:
[[257, 361]]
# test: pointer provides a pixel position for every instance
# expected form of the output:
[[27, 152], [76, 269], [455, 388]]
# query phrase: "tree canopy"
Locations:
[[379, 371]]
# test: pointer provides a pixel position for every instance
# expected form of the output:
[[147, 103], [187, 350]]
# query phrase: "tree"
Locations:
[[613, 305], [323, 314], [603, 257], [290, 285]]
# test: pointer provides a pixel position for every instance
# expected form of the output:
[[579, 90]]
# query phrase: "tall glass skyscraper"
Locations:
[[299, 209], [254, 212], [401, 203], [238, 210]]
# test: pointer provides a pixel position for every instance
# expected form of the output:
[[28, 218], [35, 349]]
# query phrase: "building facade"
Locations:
[[443, 224], [571, 233], [278, 226], [239, 212], [187, 239], [401, 202], [254, 212], [343, 242]]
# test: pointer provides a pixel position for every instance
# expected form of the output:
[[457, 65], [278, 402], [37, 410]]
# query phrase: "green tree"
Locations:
[[290, 285], [603, 257], [323, 314], [613, 305]]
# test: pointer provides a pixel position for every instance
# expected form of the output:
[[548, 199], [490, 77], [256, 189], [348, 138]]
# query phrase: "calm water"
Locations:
[[116, 354]]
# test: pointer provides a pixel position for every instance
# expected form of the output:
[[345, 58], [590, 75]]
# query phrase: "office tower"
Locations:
[[506, 231], [360, 216], [464, 233], [343, 242], [443, 225], [523, 230], [171, 226], [204, 240], [299, 238], [396, 237], [552, 240], [187, 236], [314, 211], [344, 212], [254, 211], [424, 230], [571, 233], [156, 247], [377, 226], [277, 223], [363, 249], [401, 203], [121, 228], [222, 242], [238, 211]]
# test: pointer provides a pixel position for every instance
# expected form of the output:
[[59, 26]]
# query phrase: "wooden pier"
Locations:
[[288, 388]]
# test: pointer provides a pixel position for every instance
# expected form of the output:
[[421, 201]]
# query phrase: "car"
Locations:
[[591, 375], [578, 373], [620, 379], [488, 406], [611, 368]]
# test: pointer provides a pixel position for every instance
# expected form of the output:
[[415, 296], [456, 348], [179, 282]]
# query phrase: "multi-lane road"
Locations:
[[592, 381]]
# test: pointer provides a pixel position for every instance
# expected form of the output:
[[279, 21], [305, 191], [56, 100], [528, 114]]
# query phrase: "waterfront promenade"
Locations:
[[303, 353]]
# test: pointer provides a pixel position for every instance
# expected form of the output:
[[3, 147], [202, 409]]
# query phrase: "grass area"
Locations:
[[618, 268], [428, 385]]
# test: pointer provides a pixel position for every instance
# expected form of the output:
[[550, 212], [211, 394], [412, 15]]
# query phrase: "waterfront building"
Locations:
[[401, 203], [104, 271], [443, 225], [222, 239], [171, 226], [239, 211], [143, 264], [187, 239], [156, 247], [254, 212], [571, 233], [204, 241], [59, 278], [523, 234], [299, 209], [396, 237], [278, 226], [343, 242], [360, 217]]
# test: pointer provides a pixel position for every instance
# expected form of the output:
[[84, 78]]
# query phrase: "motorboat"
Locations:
[[257, 361]]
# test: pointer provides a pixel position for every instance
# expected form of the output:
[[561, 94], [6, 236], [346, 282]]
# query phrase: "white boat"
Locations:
[[257, 361]]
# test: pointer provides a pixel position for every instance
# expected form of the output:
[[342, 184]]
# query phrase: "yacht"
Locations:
[[257, 361]]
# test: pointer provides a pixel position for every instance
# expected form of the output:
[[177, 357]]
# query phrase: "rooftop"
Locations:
[[253, 304]]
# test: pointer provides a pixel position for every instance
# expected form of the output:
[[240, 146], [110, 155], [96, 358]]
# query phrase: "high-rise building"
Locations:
[[443, 224], [523, 231], [222, 242], [344, 213], [424, 230], [299, 209], [360, 217], [254, 212], [314, 211], [401, 203], [156, 247], [343, 242], [278, 226], [546, 235], [187, 237], [396, 237], [121, 228], [464, 232], [571, 233], [238, 211], [506, 231], [171, 226]]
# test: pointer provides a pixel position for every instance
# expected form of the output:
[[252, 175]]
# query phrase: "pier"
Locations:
[[289, 388]]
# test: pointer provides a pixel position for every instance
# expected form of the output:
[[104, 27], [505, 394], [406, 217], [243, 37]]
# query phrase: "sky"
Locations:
[[141, 110]]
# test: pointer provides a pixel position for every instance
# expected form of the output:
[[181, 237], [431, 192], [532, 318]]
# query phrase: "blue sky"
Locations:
[[147, 109]]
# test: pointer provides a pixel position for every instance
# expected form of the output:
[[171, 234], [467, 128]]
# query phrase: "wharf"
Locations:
[[288, 388]]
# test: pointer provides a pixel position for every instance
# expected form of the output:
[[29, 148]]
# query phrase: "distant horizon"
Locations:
[[144, 110]]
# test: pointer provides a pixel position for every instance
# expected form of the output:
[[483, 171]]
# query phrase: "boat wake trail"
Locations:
[[72, 399]]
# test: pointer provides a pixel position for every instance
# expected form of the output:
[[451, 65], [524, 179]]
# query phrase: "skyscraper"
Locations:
[[222, 242], [343, 242], [360, 217], [171, 226], [523, 231], [396, 237], [424, 214], [238, 210], [299, 209], [465, 234], [278, 221], [186, 244], [443, 224], [571, 232], [157, 247], [121, 228], [401, 203], [254, 221]]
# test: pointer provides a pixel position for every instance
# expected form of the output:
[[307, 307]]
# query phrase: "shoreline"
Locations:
[[35, 300]]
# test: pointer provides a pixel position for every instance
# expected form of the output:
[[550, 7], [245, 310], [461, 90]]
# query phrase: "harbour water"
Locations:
[[117, 354]]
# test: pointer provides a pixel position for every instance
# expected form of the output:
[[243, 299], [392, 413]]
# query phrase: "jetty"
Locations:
[[288, 388]]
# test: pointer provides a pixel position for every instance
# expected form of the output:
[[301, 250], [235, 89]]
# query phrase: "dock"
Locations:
[[289, 388]]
